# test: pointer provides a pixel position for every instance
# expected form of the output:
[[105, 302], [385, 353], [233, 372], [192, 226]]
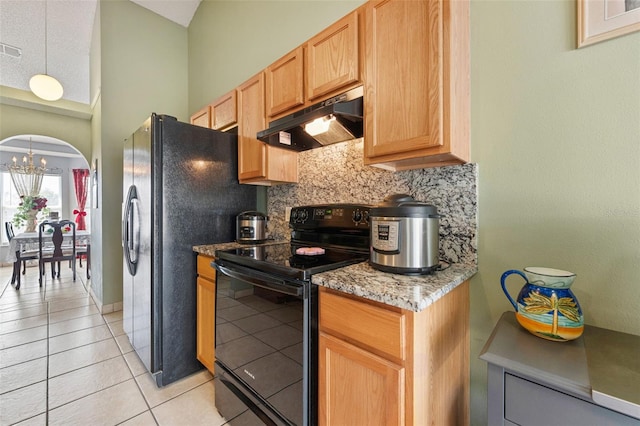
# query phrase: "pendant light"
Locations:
[[43, 85]]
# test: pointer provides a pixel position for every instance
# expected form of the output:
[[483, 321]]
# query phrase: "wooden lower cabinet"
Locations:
[[206, 312], [358, 387], [381, 365]]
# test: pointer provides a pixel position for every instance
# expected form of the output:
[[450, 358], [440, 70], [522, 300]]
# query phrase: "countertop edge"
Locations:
[[413, 293]]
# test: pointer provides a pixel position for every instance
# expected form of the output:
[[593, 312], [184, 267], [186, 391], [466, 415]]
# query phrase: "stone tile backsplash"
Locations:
[[337, 174]]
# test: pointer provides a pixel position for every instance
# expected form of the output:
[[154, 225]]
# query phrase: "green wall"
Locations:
[[554, 130], [142, 69], [230, 41], [556, 133], [21, 120]]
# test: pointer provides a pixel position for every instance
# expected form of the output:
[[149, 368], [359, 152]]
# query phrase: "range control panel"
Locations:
[[343, 216]]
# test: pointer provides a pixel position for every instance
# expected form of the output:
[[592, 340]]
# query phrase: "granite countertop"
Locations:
[[411, 292]]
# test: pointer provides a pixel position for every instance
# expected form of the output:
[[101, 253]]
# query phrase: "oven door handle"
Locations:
[[267, 282]]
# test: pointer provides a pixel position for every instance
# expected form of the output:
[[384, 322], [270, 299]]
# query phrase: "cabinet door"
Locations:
[[285, 84], [202, 118], [224, 112], [251, 152], [206, 322], [356, 387], [332, 58], [403, 76]]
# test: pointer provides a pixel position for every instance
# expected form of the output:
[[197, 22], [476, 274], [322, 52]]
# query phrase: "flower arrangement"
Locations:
[[29, 208]]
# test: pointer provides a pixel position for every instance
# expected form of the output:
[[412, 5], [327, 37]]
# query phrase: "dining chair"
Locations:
[[60, 251], [22, 255]]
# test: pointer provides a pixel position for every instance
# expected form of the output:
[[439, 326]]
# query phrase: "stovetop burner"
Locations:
[[342, 230], [280, 259]]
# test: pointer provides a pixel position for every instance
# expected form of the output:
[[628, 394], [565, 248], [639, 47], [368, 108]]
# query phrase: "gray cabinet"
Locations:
[[532, 381]]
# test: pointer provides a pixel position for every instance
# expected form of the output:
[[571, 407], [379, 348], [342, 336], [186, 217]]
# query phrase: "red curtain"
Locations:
[[80, 179]]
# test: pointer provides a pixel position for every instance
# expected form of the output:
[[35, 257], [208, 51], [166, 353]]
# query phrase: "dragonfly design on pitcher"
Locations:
[[545, 305]]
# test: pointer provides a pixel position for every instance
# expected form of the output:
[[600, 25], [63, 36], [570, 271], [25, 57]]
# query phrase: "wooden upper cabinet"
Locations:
[[224, 111], [202, 118], [251, 152], [259, 163], [416, 95], [324, 66], [285, 84], [332, 58]]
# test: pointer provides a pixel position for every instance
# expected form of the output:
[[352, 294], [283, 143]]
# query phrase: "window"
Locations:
[[51, 190]]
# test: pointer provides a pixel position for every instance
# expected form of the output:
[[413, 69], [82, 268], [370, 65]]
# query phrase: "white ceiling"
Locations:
[[69, 29]]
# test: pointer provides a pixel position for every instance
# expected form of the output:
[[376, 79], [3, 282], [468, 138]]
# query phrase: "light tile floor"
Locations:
[[62, 363]]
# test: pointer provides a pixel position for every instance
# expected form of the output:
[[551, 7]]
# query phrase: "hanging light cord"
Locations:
[[46, 70]]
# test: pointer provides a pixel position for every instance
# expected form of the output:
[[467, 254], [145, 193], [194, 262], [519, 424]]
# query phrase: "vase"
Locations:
[[545, 306], [32, 221]]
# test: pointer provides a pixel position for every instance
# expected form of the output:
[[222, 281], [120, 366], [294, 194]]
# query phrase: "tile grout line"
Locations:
[[46, 412], [132, 374]]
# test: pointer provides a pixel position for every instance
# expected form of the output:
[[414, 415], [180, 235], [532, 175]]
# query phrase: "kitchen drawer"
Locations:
[[204, 267], [527, 403], [364, 324]]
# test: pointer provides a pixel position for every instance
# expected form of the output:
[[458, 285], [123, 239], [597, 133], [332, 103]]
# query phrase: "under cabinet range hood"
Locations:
[[333, 120]]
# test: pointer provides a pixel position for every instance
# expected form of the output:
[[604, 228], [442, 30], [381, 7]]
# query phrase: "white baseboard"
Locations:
[[105, 309]]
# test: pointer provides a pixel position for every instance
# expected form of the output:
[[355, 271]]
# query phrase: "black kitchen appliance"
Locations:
[[267, 312], [336, 119], [180, 190]]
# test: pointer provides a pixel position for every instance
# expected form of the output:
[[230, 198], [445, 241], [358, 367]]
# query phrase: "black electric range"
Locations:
[[267, 312]]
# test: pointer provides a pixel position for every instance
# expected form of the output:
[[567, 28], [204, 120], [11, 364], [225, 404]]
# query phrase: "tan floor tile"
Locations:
[[22, 337], [78, 338], [113, 316], [40, 420], [30, 311], [73, 313], [98, 408], [21, 298], [23, 403], [83, 356], [144, 419], [21, 375], [116, 328], [124, 344], [82, 382], [135, 364], [27, 352], [156, 396], [23, 324], [62, 305], [75, 325], [195, 407]]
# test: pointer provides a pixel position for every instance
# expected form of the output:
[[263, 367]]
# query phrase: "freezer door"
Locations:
[[127, 276], [137, 214]]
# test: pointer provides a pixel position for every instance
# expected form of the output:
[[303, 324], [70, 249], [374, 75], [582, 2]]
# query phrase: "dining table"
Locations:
[[31, 241]]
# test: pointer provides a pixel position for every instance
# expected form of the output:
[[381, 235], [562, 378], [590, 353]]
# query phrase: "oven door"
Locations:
[[264, 346]]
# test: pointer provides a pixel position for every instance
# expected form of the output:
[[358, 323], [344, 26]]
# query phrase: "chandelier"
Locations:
[[27, 177]]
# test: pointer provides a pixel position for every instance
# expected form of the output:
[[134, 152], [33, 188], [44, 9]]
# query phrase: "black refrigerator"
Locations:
[[180, 190]]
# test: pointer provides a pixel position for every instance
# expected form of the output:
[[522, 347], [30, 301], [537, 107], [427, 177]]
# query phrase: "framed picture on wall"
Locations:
[[600, 20]]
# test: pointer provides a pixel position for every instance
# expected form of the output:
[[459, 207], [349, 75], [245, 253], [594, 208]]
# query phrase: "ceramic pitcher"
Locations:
[[545, 305]]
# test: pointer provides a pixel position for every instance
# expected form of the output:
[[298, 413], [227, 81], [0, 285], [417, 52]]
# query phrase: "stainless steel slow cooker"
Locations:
[[404, 236], [251, 227]]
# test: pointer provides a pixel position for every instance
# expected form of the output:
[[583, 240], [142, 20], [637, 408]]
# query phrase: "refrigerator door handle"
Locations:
[[128, 234], [135, 230]]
